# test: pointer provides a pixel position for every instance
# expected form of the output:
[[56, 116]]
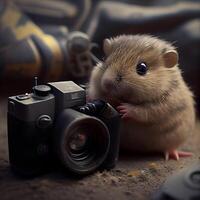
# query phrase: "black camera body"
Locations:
[[54, 124]]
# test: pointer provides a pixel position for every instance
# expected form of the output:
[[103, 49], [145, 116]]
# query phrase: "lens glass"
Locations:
[[86, 145], [81, 144], [78, 141]]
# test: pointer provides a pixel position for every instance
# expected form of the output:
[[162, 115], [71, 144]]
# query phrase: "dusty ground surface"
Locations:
[[135, 176]]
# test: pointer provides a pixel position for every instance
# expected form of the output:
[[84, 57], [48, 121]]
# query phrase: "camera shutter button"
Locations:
[[42, 90], [44, 121]]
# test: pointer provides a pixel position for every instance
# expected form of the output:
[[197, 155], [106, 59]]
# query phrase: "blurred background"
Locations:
[[62, 39]]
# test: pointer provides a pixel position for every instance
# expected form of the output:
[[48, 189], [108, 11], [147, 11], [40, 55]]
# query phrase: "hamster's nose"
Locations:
[[108, 84]]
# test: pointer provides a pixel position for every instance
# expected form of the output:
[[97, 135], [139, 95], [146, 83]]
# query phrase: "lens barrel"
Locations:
[[81, 141]]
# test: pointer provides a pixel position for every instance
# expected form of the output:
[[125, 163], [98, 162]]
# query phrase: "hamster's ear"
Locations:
[[170, 58], [107, 46]]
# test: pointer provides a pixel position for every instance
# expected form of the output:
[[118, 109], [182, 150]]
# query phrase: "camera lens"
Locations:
[[86, 144], [83, 142]]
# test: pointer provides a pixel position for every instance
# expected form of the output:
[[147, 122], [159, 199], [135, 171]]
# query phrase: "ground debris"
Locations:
[[153, 168], [114, 180], [143, 174], [128, 193], [134, 173], [109, 177]]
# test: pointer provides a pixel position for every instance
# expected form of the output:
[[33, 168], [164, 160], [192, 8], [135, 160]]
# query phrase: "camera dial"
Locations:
[[41, 90], [44, 121]]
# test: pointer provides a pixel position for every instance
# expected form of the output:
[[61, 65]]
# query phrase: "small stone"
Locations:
[[104, 174], [81, 183], [153, 165], [142, 178], [128, 193], [114, 180], [134, 173], [153, 168], [143, 171]]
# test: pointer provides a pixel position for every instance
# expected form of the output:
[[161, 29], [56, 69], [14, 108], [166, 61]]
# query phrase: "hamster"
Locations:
[[140, 77]]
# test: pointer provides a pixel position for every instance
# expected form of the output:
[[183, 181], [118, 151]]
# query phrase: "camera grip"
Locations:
[[28, 147]]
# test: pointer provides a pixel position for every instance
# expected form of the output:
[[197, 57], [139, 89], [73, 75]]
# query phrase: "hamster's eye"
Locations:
[[141, 68]]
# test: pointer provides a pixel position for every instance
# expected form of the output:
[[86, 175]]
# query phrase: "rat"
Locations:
[[141, 78]]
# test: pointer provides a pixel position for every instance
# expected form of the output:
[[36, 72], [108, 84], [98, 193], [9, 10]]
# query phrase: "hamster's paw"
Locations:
[[125, 110], [174, 154]]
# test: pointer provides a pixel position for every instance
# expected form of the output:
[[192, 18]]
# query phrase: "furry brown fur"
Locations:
[[158, 107]]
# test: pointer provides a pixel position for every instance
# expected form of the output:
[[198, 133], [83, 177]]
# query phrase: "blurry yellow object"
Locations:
[[22, 28]]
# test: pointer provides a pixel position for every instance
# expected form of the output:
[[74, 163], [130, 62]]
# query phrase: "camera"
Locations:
[[54, 125]]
